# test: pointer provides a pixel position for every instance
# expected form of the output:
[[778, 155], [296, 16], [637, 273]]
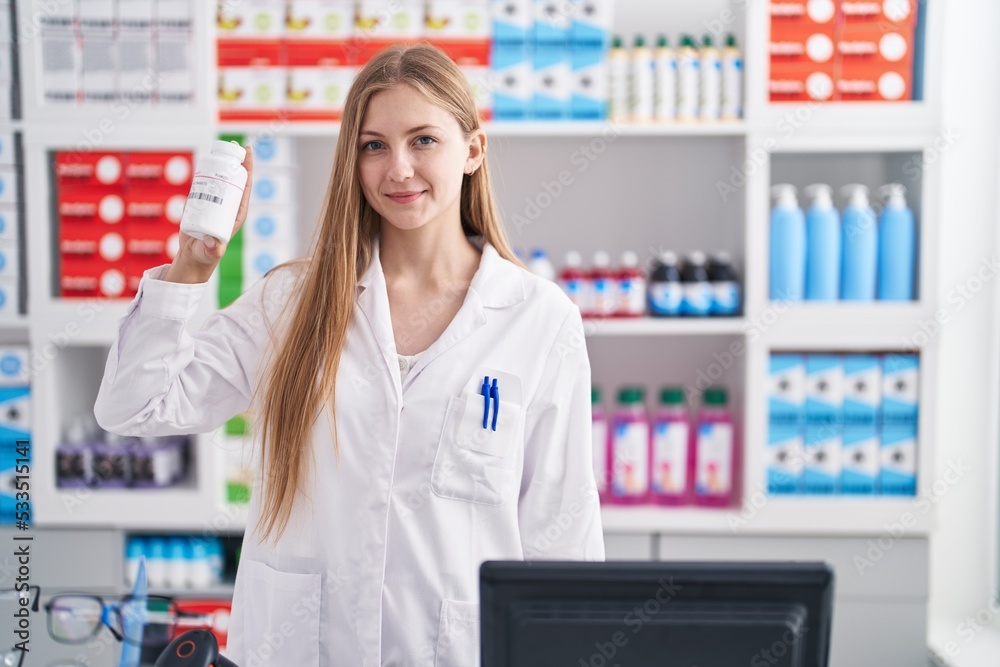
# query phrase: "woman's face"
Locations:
[[412, 158]]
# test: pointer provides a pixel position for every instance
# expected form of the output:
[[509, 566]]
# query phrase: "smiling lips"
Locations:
[[404, 197]]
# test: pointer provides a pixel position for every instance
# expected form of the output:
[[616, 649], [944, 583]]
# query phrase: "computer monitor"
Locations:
[[662, 614]]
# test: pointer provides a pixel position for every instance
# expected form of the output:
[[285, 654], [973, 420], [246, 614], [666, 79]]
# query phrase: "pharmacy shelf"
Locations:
[[513, 129], [673, 326], [843, 326], [798, 515], [217, 591], [15, 323]]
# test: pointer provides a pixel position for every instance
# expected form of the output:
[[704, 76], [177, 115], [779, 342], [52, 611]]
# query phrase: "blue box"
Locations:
[[551, 83], [898, 470], [862, 388], [553, 19], [14, 369], [15, 414], [589, 99], [786, 393], [823, 457], [591, 23], [513, 21], [861, 459], [784, 458], [900, 388], [824, 388], [513, 81]]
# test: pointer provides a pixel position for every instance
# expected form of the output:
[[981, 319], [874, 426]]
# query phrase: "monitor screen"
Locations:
[[662, 614]]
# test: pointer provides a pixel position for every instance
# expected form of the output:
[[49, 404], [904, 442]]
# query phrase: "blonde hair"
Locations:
[[343, 248]]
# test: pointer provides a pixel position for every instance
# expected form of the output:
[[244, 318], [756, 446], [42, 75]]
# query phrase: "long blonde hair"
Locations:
[[343, 248]]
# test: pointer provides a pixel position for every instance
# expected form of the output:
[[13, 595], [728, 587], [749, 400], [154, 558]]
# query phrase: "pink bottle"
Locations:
[[574, 282], [629, 449], [631, 287], [714, 451], [603, 296], [671, 444], [599, 420]]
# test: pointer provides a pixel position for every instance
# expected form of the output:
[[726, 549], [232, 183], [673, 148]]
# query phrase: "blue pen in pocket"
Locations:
[[495, 394], [486, 393]]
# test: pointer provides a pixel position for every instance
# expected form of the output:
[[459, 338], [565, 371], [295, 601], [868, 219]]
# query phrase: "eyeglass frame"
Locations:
[[107, 608], [20, 595]]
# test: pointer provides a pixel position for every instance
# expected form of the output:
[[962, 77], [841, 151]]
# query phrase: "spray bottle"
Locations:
[[860, 244], [732, 80], [711, 80], [822, 245], [665, 67], [896, 246], [787, 246]]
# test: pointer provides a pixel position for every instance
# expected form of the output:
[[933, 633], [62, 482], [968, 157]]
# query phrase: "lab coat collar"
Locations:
[[498, 282]]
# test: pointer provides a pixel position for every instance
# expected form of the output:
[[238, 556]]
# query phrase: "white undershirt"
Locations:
[[405, 364]]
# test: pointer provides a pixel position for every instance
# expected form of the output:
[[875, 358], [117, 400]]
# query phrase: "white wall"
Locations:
[[963, 554]]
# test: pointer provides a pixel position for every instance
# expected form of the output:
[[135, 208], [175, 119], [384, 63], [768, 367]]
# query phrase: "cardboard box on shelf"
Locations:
[[159, 169], [866, 84], [319, 76], [252, 80], [803, 47], [798, 14], [513, 21], [879, 12], [250, 19], [874, 46], [90, 168], [552, 83], [389, 20], [320, 19], [458, 19], [512, 72]]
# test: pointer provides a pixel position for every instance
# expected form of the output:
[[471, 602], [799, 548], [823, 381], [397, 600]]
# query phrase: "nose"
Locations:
[[400, 168]]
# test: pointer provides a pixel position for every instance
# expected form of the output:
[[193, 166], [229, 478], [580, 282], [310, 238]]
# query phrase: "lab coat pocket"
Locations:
[[281, 615], [458, 635], [473, 463]]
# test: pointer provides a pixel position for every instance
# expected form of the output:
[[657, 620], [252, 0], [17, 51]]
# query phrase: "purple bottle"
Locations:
[[714, 451], [629, 449], [670, 474]]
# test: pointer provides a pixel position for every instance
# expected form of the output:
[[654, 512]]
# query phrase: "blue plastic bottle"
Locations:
[[860, 246], [787, 246], [896, 246], [822, 245]]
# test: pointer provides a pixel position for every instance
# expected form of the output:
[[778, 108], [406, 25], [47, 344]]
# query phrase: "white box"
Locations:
[[590, 84], [320, 19], [14, 368], [136, 85], [251, 88], [389, 19], [8, 184], [513, 21], [273, 186], [823, 459], [97, 16], [785, 458], [9, 263], [10, 222], [98, 71], [8, 149], [258, 261], [239, 19], [173, 15], [552, 83], [320, 90], [824, 388], [591, 23], [513, 81], [481, 83], [60, 68], [272, 151], [8, 298], [270, 224], [458, 19], [175, 73], [135, 15], [55, 14], [553, 19], [786, 388]]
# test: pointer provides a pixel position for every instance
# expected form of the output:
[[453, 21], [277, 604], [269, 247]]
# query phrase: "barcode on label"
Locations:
[[206, 197]]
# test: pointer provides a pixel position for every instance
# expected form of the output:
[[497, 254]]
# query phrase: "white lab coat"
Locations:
[[380, 562]]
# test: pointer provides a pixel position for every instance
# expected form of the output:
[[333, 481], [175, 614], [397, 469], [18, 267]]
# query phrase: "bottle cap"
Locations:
[[668, 258], [630, 259], [538, 253], [672, 396], [730, 39], [785, 195], [715, 396], [229, 148], [595, 395], [602, 259], [687, 40], [856, 194], [707, 40], [631, 395], [639, 42], [894, 195], [616, 42], [821, 195], [696, 257], [573, 259], [661, 41]]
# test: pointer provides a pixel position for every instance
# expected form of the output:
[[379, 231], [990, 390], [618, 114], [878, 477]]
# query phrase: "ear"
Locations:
[[477, 151]]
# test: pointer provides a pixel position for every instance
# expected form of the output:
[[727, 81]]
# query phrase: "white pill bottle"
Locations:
[[216, 192]]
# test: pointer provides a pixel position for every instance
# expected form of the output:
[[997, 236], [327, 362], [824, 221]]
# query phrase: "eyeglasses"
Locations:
[[14, 657], [147, 621]]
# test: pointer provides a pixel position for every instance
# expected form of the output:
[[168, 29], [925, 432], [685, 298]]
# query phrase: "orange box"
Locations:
[[864, 83], [90, 168], [803, 46], [801, 82], [159, 169], [870, 45], [799, 14], [879, 12]]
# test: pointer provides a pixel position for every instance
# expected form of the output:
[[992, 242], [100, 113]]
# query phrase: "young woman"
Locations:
[[420, 400]]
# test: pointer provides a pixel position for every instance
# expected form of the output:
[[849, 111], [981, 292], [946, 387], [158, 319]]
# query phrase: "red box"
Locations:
[[888, 13], [90, 168], [90, 205], [804, 47], [874, 47], [798, 14], [86, 277], [800, 82], [869, 84], [252, 80], [319, 75], [155, 205], [159, 169]]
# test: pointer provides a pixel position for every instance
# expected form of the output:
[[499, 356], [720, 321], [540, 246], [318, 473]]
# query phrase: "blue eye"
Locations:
[[432, 140], [370, 143]]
